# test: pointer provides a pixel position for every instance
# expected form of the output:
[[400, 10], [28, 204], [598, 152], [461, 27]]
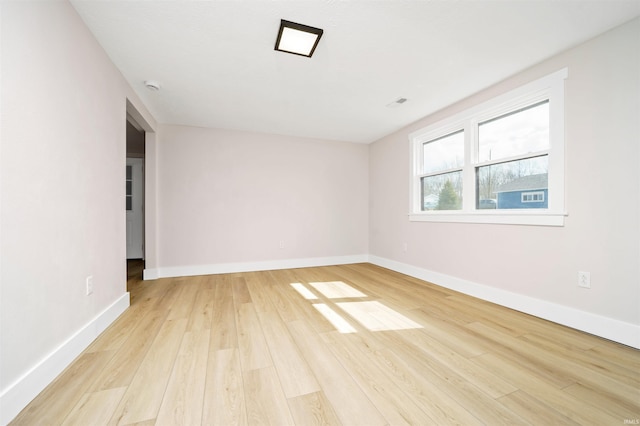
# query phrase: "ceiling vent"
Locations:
[[397, 103]]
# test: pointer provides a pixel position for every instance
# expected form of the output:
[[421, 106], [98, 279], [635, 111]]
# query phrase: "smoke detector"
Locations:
[[152, 85]]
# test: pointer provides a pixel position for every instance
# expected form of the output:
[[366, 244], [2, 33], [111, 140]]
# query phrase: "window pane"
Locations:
[[520, 132], [129, 203], [444, 153], [521, 184], [442, 192]]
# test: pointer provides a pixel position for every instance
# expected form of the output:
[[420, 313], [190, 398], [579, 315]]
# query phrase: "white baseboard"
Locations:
[[150, 274], [16, 396], [270, 265], [609, 328]]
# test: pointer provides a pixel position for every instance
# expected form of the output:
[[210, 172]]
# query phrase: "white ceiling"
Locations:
[[218, 68]]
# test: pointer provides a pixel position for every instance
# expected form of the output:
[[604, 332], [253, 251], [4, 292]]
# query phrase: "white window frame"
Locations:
[[550, 87]]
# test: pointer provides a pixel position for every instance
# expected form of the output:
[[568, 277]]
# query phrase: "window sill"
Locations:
[[494, 217]]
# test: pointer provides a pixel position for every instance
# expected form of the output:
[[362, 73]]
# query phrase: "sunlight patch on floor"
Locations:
[[377, 317], [373, 315], [334, 318], [304, 291], [337, 290]]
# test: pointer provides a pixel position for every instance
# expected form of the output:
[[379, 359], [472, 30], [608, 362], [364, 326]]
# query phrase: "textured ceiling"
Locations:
[[218, 68]]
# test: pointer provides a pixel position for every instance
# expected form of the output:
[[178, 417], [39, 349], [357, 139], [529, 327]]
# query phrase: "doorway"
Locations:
[[135, 208], [135, 198]]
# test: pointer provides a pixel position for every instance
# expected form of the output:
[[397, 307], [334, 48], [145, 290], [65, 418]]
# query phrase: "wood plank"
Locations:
[[223, 322], [536, 361], [240, 291], [349, 402], [450, 333], [124, 364], [172, 291], [438, 405], [562, 366], [622, 355], [201, 316], [486, 313], [63, 394], [291, 306], [585, 359], [184, 396], [186, 299], [609, 403], [544, 392], [119, 332], [294, 372], [95, 408], [224, 392], [254, 352], [259, 285], [413, 340], [526, 324], [313, 409], [533, 410], [379, 388], [472, 398], [266, 403], [144, 395]]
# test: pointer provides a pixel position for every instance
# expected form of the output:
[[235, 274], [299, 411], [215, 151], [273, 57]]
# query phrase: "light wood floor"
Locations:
[[251, 349]]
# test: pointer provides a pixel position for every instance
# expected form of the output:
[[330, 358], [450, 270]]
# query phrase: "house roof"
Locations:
[[525, 183]]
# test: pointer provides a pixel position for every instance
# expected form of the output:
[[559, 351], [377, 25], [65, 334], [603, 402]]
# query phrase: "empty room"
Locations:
[[319, 212]]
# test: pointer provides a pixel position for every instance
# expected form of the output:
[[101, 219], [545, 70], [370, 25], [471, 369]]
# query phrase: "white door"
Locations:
[[134, 205]]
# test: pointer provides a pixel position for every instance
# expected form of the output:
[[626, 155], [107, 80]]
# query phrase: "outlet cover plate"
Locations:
[[584, 279], [89, 283]]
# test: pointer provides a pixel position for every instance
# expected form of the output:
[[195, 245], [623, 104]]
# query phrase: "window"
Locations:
[[499, 162], [129, 191], [443, 162], [532, 197]]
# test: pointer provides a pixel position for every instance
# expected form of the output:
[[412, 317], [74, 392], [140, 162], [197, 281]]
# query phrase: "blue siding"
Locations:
[[513, 200]]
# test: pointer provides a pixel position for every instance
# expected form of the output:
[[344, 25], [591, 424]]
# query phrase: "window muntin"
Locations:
[[496, 142]]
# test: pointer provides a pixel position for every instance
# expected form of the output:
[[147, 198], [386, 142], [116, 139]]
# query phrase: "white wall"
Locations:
[[602, 232], [229, 197], [62, 194]]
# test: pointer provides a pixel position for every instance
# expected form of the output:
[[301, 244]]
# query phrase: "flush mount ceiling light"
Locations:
[[297, 38]]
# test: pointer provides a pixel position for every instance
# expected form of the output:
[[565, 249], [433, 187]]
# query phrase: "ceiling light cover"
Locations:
[[297, 38]]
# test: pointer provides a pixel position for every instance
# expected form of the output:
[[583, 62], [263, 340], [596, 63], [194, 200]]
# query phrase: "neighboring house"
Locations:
[[528, 192], [431, 202]]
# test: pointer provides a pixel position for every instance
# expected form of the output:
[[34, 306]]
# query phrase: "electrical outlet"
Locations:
[[89, 282], [404, 247], [281, 245], [584, 279]]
